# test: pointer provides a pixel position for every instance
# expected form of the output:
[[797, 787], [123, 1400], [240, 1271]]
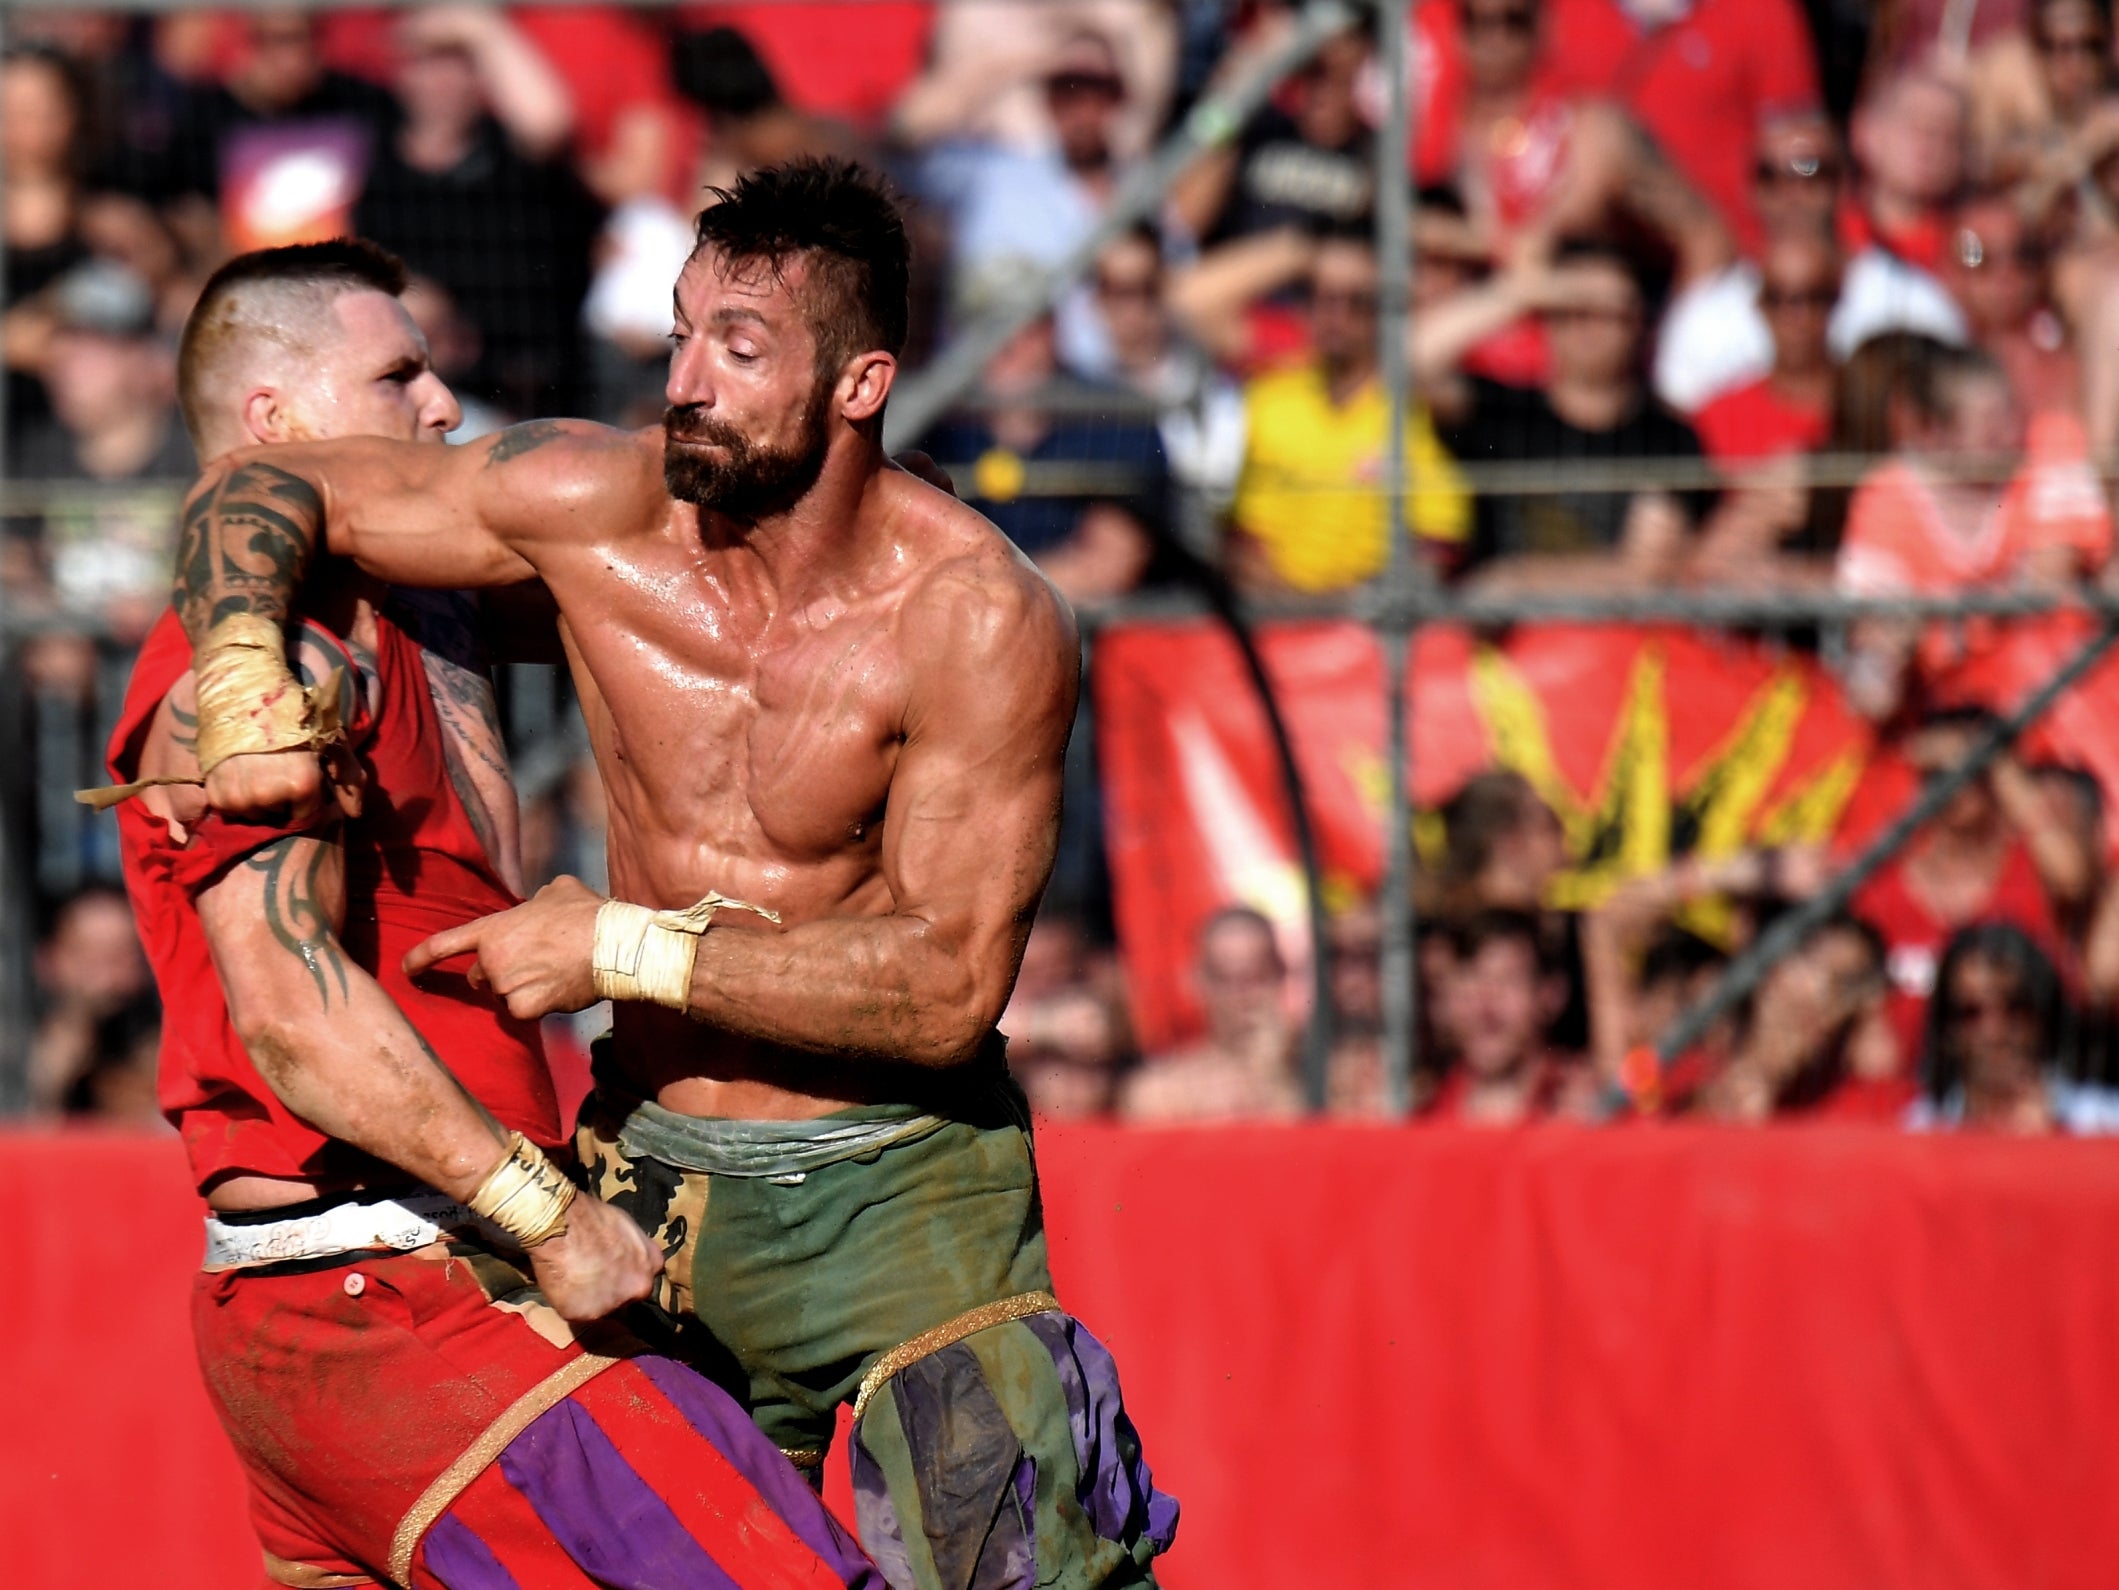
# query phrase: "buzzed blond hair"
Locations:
[[270, 299]]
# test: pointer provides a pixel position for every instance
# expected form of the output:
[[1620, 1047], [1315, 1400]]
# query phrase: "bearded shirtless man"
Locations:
[[821, 688], [383, 1320]]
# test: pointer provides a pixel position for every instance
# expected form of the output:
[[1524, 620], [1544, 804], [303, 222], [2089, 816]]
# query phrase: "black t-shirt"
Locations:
[[510, 238], [1283, 181], [1510, 424], [205, 121]]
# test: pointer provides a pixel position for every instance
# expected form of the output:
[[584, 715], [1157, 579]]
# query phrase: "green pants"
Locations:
[[905, 1249]]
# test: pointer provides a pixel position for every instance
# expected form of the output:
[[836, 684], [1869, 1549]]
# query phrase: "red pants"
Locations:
[[397, 1425]]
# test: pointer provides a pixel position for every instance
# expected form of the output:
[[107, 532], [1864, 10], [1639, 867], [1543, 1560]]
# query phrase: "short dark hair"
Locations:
[[344, 264], [844, 220], [1499, 925]]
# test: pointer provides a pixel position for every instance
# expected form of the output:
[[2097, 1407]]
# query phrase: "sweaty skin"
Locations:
[[852, 712]]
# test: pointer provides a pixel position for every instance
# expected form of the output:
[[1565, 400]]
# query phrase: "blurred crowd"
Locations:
[[1833, 281]]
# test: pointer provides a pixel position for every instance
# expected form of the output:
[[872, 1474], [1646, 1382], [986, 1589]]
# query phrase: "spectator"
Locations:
[[1066, 1024], [89, 968], [1817, 1038], [1909, 140], [1783, 414], [1999, 852], [1995, 268], [1701, 76], [1494, 1005], [470, 160], [1995, 1041], [1789, 409], [1595, 407], [748, 123], [1961, 506], [112, 382], [1715, 335], [280, 146], [1091, 543], [41, 104], [988, 61], [1503, 849], [1307, 165], [1202, 419], [1244, 1067], [2039, 98], [119, 1085], [1310, 513], [1007, 206]]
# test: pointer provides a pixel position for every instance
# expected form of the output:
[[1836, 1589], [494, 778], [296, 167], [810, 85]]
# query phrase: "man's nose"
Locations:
[[690, 379], [438, 408]]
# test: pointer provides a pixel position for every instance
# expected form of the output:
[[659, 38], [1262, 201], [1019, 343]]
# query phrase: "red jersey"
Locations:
[[1915, 937], [414, 865], [1755, 421], [1702, 85]]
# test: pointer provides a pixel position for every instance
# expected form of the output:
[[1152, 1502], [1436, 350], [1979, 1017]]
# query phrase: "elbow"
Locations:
[[275, 1044], [955, 1024]]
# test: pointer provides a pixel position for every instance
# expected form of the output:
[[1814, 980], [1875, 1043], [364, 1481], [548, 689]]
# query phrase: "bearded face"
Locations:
[[744, 479]]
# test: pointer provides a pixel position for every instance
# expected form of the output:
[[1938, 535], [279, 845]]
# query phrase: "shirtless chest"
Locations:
[[742, 749]]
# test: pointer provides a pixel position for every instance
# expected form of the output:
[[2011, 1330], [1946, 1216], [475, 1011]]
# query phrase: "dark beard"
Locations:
[[751, 482]]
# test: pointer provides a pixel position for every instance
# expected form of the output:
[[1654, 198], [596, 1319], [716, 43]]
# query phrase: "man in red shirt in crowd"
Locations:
[[1702, 76], [401, 1315]]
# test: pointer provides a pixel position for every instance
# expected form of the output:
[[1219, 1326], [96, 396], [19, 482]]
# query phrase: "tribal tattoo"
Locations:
[[248, 539], [296, 913]]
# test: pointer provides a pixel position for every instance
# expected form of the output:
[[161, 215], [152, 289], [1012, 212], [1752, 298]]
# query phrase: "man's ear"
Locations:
[[266, 418], [864, 385]]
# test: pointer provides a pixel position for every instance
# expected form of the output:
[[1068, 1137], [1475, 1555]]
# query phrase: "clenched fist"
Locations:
[[602, 1263]]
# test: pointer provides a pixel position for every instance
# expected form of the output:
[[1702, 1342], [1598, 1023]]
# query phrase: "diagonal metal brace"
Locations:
[[1788, 932]]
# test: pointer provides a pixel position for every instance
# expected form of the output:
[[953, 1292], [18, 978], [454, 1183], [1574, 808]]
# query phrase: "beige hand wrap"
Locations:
[[525, 1195], [248, 699], [643, 954]]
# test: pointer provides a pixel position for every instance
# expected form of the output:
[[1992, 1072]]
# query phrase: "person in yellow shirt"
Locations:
[[1310, 511]]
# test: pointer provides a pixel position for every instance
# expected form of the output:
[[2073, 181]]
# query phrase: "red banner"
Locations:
[[1647, 743], [1659, 1358]]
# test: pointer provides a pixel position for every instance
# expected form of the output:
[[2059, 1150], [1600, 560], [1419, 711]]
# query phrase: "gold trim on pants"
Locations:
[[454, 1480], [948, 1334]]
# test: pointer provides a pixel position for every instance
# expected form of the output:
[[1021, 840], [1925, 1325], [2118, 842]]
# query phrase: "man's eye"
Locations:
[[678, 339]]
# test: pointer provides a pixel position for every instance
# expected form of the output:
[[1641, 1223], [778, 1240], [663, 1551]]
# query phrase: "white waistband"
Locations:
[[396, 1224]]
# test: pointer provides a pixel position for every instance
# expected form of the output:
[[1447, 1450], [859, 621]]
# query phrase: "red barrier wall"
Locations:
[[1362, 1357]]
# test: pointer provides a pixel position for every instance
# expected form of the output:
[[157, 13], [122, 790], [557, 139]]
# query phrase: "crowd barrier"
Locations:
[[1361, 1357]]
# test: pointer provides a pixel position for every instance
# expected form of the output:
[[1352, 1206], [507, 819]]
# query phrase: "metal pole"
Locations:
[[925, 397], [1788, 933], [1402, 575]]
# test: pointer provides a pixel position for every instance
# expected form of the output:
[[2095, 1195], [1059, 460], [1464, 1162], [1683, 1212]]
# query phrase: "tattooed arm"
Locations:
[[413, 514]]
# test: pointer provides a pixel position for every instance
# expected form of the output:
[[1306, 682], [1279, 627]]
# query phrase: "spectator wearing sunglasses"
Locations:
[[1788, 409], [1996, 270], [1997, 1036], [1019, 206], [1715, 335], [2037, 93]]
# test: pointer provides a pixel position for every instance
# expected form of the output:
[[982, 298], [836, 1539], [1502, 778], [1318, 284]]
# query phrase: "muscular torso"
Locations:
[[747, 748]]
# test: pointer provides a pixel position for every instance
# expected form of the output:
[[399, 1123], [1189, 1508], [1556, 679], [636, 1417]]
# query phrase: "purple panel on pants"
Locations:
[[454, 1554], [714, 1414], [1117, 1490], [881, 1531], [607, 1517]]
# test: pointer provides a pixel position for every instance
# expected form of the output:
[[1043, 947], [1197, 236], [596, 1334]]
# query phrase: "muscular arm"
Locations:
[[325, 1037], [410, 513], [968, 837]]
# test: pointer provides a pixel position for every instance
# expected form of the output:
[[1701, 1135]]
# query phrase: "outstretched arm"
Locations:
[[412, 514], [968, 839]]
